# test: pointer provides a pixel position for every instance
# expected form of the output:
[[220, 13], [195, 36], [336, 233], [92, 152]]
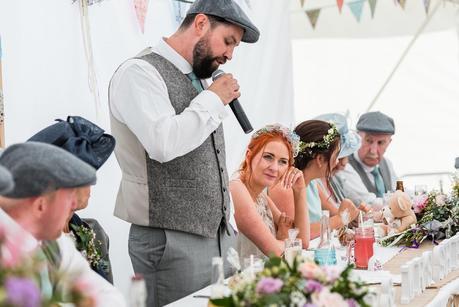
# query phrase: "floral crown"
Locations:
[[291, 136], [332, 133]]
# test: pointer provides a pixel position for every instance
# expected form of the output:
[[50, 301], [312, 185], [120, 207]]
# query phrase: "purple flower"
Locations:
[[313, 286], [352, 303], [269, 285], [22, 292], [309, 305]]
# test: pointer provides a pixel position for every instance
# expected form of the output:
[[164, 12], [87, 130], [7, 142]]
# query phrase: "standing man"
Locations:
[[369, 175], [170, 147]]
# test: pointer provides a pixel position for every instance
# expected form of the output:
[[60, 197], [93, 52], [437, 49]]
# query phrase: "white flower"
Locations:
[[297, 299]]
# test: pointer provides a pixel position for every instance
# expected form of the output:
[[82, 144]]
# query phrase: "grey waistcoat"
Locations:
[[383, 169], [189, 193]]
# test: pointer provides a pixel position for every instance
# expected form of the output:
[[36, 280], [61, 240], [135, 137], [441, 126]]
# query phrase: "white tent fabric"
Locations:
[[45, 77]]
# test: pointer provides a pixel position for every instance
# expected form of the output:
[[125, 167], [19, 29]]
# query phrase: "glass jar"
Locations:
[[363, 250]]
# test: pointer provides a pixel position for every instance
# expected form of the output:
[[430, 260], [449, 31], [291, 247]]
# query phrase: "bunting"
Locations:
[[340, 5], [313, 15], [141, 9], [356, 9], [372, 4]]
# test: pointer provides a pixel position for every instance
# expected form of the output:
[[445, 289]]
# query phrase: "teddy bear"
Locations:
[[398, 214]]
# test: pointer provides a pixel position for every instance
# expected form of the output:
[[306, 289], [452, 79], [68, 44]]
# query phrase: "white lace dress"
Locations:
[[245, 247]]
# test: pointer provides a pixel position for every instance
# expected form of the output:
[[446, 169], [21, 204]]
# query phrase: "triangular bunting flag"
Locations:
[[372, 7], [302, 3], [340, 5], [141, 8], [356, 9], [427, 6], [313, 15], [402, 3]]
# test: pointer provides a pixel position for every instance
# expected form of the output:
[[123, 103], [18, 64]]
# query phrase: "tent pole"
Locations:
[[418, 33]]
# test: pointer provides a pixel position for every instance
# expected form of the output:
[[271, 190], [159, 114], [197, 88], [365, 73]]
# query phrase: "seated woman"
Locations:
[[330, 189], [268, 162], [319, 149], [89, 143]]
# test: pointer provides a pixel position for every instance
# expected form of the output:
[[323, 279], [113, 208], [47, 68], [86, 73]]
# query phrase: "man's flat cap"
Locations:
[[231, 12], [38, 168], [376, 122], [6, 181]]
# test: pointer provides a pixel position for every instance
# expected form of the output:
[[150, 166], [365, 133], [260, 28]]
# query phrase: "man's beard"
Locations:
[[203, 61]]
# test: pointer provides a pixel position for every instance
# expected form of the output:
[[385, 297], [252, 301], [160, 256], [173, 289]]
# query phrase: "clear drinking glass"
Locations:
[[293, 249]]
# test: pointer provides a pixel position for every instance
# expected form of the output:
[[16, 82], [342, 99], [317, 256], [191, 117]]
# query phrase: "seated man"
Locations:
[[46, 178], [88, 142], [369, 175]]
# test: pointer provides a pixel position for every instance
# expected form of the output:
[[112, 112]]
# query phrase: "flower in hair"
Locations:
[[327, 140], [291, 136]]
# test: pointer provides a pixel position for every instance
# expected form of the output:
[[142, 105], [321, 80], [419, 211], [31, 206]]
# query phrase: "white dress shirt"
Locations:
[[355, 189], [139, 99], [73, 265]]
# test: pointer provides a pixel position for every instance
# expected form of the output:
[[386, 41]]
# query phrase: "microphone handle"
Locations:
[[240, 115]]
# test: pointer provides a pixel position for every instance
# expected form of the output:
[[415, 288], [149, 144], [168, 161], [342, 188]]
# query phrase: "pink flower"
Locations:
[[325, 298], [440, 199], [310, 270], [269, 285], [332, 273], [419, 203]]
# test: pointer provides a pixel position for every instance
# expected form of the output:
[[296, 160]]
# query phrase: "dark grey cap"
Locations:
[[231, 12], [6, 181], [376, 122], [38, 168]]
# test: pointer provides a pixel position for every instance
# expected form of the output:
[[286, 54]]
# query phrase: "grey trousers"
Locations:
[[173, 263]]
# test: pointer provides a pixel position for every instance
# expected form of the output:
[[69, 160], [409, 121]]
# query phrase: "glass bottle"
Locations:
[[325, 253], [218, 288], [138, 291]]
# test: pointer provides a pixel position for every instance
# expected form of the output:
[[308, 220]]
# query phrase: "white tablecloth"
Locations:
[[201, 297]]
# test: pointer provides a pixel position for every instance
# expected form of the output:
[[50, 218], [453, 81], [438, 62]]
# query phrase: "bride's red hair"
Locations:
[[256, 145]]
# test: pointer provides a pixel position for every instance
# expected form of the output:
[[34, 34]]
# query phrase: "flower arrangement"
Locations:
[[25, 279], [89, 247], [437, 215], [303, 283], [328, 139]]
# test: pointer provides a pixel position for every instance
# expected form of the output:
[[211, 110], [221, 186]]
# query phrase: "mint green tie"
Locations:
[[195, 81], [379, 183]]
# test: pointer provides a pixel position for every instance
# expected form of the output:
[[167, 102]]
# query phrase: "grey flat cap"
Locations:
[[231, 12], [38, 168], [6, 181], [376, 122]]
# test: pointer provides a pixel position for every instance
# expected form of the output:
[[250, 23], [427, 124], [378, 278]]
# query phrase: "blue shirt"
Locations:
[[313, 200]]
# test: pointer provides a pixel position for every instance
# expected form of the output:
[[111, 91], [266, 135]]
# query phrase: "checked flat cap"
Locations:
[[6, 181], [38, 168], [376, 122], [231, 12]]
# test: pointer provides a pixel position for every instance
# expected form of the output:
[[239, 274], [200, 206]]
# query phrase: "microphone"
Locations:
[[236, 107]]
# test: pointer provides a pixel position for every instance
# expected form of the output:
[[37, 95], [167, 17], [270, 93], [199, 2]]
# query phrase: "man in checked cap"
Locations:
[[45, 181], [168, 126], [369, 175]]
